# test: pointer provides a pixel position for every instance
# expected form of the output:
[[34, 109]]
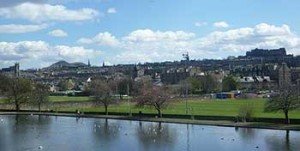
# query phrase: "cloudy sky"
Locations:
[[37, 33]]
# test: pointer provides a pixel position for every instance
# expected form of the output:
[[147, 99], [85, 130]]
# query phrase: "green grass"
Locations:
[[4, 100], [196, 107], [67, 98]]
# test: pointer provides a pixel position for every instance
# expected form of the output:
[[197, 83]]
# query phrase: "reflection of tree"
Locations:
[[279, 143], [155, 136], [24, 130], [246, 133], [23, 122], [105, 131]]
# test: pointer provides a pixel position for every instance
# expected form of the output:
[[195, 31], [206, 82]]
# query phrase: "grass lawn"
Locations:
[[67, 98], [196, 107], [4, 100]]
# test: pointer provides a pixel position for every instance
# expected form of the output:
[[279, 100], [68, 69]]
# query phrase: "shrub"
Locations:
[[245, 112]]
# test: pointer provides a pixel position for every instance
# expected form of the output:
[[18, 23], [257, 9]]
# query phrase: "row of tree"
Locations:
[[207, 84], [142, 92], [20, 91], [104, 92]]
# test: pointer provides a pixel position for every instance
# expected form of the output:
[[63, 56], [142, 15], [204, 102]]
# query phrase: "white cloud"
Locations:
[[58, 33], [221, 24], [149, 46], [19, 28], [111, 10], [239, 40], [34, 53], [266, 29], [147, 35], [200, 24], [104, 39], [145, 45], [46, 12]]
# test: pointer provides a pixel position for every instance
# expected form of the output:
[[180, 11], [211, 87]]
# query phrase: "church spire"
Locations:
[[89, 64]]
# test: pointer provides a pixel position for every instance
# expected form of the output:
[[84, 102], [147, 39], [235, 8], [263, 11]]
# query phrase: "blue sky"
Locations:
[[38, 33]]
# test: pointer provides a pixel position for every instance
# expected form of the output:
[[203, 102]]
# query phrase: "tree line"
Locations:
[[21, 91], [107, 91]]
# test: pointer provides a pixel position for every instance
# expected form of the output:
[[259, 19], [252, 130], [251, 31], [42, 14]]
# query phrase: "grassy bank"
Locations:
[[196, 107], [68, 98], [4, 100], [57, 99]]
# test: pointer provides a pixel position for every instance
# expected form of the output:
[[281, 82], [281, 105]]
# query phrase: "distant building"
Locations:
[[12, 70], [284, 75], [266, 53], [255, 82], [174, 76]]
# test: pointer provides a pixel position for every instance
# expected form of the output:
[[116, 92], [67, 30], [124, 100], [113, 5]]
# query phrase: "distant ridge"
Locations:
[[65, 64]]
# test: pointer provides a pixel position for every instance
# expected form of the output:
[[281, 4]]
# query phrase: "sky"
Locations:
[[37, 33]]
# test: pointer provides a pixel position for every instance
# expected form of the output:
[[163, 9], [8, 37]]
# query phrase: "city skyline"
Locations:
[[39, 33]]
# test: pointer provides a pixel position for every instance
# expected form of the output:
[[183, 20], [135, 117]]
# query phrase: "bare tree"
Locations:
[[102, 91], [124, 86], [40, 95], [3, 84], [18, 90], [285, 100], [155, 96]]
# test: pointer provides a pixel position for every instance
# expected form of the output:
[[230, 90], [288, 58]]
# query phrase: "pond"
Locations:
[[55, 133]]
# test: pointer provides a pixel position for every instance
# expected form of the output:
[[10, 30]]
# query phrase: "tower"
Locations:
[[89, 64], [17, 70], [284, 75]]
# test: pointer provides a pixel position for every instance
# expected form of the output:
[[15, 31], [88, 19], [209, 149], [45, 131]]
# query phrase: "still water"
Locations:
[[51, 133]]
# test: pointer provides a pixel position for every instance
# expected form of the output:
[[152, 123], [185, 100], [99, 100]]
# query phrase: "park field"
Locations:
[[227, 107], [68, 98], [57, 99], [195, 107]]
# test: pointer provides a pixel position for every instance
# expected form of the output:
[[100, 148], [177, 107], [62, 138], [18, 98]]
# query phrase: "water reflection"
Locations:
[[155, 136], [105, 131], [246, 133], [67, 133], [281, 142], [23, 130]]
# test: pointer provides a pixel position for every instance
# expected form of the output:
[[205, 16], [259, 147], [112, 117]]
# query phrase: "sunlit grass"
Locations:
[[195, 107], [67, 98]]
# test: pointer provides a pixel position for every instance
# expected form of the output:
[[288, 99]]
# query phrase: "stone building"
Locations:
[[13, 71], [284, 75]]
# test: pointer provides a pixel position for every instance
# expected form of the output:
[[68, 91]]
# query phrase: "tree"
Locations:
[[18, 90], [285, 100], [195, 85], [155, 96], [229, 84], [124, 86], [102, 91], [3, 84], [246, 112], [138, 85], [185, 87], [66, 84], [208, 83], [204, 84], [40, 94]]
